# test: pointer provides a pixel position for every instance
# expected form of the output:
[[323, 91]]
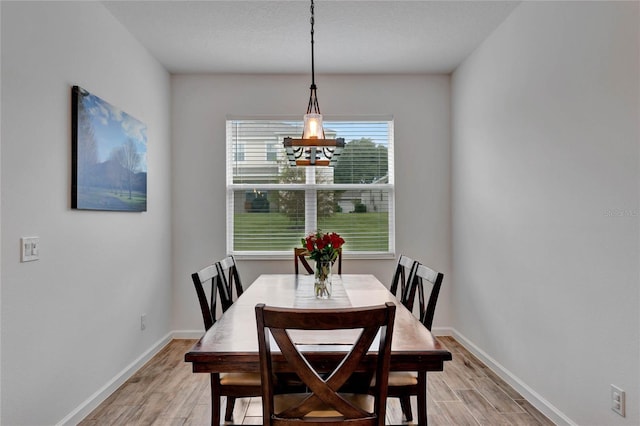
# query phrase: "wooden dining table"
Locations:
[[231, 344]]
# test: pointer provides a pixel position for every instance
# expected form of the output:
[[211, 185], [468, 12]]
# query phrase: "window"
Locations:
[[272, 152], [238, 152], [271, 206]]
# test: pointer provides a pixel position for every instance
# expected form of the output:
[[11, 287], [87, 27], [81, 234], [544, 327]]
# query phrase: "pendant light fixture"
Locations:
[[313, 149]]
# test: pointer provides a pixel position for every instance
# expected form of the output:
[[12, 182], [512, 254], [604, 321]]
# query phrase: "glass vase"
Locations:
[[322, 283]]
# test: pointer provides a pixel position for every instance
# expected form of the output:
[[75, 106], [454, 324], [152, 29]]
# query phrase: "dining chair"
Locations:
[[323, 403], [404, 269], [424, 277], [422, 281], [300, 256], [231, 385], [230, 279]]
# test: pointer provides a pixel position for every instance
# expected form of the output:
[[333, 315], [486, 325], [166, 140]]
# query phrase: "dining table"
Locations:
[[231, 344]]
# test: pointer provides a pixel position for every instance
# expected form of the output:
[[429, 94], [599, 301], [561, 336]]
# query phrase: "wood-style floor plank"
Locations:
[[164, 392], [497, 397], [480, 408], [533, 412], [456, 413]]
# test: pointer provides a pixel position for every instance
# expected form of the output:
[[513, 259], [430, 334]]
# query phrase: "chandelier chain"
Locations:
[[313, 105], [312, 20]]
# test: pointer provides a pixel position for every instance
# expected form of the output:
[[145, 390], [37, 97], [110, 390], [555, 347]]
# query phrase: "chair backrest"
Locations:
[[427, 307], [207, 277], [300, 256], [403, 271], [230, 279], [323, 389]]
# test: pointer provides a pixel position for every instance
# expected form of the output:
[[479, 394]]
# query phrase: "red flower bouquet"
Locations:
[[323, 247]]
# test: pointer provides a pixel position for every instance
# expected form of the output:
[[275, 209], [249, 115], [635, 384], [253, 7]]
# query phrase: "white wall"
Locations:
[[420, 106], [0, 222], [546, 204], [70, 321]]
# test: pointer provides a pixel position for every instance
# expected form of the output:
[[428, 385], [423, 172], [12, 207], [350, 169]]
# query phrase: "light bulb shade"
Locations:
[[313, 127]]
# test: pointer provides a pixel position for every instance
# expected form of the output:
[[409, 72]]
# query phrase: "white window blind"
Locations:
[[271, 206]]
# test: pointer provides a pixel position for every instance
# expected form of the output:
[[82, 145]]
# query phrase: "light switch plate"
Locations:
[[29, 249]]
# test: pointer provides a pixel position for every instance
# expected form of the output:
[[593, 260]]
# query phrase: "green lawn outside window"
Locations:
[[361, 231]]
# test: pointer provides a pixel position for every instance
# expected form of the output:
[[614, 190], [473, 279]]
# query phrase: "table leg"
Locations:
[[215, 399], [422, 398]]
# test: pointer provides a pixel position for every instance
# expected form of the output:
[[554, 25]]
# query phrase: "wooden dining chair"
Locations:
[[323, 403], [231, 385], [300, 256], [426, 283], [404, 269], [230, 279]]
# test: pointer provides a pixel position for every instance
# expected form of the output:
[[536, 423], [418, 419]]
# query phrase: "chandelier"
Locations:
[[313, 149]]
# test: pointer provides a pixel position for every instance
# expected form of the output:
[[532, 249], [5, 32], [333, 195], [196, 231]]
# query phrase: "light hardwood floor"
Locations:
[[166, 392]]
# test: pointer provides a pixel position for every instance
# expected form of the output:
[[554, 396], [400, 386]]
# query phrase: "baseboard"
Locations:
[[535, 399], [103, 393]]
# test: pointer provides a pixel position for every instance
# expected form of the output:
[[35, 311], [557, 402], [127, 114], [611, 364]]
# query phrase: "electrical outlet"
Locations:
[[143, 322], [618, 400]]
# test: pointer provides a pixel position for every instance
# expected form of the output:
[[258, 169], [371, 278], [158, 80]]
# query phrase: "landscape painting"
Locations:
[[109, 156]]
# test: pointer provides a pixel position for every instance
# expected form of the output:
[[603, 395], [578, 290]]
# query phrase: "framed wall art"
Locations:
[[109, 150]]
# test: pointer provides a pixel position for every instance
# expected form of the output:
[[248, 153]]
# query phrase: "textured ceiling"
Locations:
[[266, 36]]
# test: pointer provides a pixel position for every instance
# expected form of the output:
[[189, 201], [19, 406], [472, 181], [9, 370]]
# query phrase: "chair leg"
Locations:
[[405, 404], [422, 397], [215, 399], [231, 402]]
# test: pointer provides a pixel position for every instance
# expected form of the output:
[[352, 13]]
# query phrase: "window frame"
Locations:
[[310, 187]]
